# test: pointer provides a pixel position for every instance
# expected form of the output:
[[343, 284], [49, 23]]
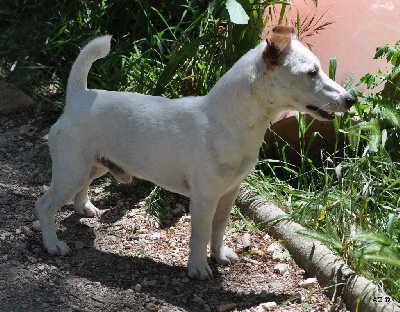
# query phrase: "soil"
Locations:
[[124, 260]]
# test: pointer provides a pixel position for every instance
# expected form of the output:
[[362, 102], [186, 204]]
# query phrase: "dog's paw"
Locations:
[[224, 256], [87, 210], [199, 270], [58, 248]]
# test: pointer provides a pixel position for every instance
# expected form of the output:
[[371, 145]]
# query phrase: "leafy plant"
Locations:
[[381, 246]]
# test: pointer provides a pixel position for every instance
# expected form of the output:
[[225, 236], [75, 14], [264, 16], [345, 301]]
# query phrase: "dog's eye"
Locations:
[[312, 73]]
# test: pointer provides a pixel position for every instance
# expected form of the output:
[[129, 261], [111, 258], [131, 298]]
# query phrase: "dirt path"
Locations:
[[123, 261]]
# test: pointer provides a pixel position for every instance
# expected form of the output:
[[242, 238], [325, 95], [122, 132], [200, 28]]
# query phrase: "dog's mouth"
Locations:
[[320, 112]]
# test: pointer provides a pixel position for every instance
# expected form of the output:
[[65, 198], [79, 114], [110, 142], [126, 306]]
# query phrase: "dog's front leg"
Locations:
[[202, 212], [220, 253]]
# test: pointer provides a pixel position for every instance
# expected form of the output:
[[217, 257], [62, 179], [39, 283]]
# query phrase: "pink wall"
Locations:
[[359, 27]]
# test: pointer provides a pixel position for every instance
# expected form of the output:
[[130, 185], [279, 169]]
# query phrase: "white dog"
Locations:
[[201, 147]]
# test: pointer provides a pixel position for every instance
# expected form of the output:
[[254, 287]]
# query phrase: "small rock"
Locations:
[[155, 235], [26, 231], [59, 262], [13, 99], [129, 292], [266, 237], [275, 246], [144, 283], [44, 188], [37, 250], [277, 255], [281, 268], [309, 282], [226, 307], [301, 271], [79, 245], [246, 241], [206, 308], [268, 306], [128, 246], [24, 129], [151, 306], [138, 288], [179, 209], [36, 226], [197, 299]]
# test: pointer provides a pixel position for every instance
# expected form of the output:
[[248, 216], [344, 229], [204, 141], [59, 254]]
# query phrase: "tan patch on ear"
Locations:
[[277, 44]]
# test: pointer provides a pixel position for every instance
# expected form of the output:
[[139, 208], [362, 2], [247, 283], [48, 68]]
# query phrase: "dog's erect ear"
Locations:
[[278, 43]]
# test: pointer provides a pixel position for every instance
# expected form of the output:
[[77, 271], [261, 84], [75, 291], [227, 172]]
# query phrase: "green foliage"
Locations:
[[143, 37], [392, 55], [175, 48]]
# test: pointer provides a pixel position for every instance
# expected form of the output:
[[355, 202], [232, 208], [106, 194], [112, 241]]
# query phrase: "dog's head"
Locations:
[[297, 77]]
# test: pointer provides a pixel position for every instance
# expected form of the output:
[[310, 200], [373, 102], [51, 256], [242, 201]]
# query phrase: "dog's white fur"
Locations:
[[201, 147]]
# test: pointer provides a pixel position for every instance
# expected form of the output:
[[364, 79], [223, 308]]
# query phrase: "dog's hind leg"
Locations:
[[67, 180], [46, 207], [82, 204], [220, 253]]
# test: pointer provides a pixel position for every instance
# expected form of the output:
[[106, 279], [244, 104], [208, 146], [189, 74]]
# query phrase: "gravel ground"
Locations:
[[123, 260]]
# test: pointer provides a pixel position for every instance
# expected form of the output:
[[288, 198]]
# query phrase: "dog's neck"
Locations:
[[242, 85]]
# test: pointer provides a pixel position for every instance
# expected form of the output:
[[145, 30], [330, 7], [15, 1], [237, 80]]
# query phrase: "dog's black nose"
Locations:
[[349, 100]]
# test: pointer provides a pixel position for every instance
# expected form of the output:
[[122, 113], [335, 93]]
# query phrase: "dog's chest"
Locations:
[[240, 159], [235, 172]]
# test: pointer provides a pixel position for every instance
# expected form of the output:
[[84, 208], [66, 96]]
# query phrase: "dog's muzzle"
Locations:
[[323, 114], [349, 101]]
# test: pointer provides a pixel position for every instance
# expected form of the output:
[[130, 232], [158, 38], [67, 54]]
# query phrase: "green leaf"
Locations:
[[286, 255], [282, 13], [396, 59], [392, 116], [272, 220], [332, 67], [384, 259], [236, 12], [186, 51], [323, 238], [360, 108], [7, 12]]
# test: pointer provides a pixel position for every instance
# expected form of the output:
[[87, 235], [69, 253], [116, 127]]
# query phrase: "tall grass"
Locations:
[[349, 199], [45, 45]]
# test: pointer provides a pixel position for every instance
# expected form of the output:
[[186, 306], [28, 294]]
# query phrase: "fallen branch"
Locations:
[[358, 293]]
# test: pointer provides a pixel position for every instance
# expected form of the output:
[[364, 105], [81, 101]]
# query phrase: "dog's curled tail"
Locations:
[[95, 49]]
